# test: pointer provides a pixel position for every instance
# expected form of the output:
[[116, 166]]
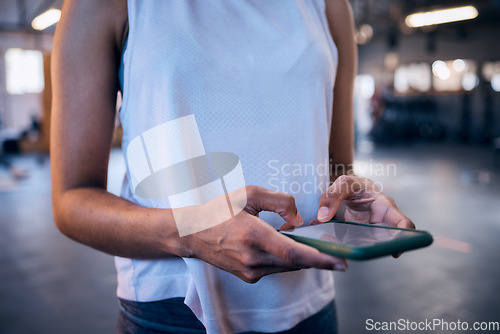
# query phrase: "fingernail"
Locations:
[[300, 218], [339, 267], [323, 212]]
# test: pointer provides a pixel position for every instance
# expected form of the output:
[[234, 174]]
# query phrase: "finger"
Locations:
[[285, 228], [262, 199], [268, 260], [298, 255], [315, 222], [343, 187], [394, 217], [406, 223], [255, 274]]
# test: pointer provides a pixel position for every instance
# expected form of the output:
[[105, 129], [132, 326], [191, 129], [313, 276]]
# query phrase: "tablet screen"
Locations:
[[351, 234]]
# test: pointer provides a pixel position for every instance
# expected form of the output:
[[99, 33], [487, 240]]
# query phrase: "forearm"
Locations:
[[341, 146], [116, 226], [338, 169]]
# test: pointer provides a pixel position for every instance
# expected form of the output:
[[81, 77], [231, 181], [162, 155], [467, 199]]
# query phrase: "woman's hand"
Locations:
[[249, 248], [358, 199]]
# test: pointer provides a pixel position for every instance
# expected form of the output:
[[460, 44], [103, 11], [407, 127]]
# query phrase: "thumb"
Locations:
[[328, 206], [342, 188]]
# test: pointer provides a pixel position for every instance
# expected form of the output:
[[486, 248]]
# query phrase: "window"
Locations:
[[454, 75], [491, 72], [412, 77], [365, 86], [24, 71]]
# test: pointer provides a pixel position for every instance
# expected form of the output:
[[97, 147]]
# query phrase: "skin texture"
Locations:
[[359, 198], [87, 47], [341, 23], [350, 197]]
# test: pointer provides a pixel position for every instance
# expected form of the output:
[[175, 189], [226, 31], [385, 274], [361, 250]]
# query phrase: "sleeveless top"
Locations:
[[254, 78]]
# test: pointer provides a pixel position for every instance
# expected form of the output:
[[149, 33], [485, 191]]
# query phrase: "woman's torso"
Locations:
[[258, 78]]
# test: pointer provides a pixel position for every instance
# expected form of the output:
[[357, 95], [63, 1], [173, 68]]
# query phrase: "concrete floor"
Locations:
[[50, 284]]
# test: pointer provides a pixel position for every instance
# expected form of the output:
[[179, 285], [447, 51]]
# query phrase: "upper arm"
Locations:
[[84, 82], [341, 24]]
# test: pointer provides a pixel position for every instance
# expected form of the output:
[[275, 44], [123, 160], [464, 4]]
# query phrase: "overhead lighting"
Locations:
[[495, 82], [469, 81], [441, 16], [440, 70], [459, 65], [364, 34], [391, 61], [46, 19]]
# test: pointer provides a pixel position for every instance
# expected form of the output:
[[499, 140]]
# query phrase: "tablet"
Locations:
[[360, 241]]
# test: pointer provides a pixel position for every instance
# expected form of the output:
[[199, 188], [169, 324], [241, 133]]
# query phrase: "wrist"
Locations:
[[167, 235], [190, 226]]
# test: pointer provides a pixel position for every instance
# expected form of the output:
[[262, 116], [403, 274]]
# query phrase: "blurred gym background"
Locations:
[[427, 109]]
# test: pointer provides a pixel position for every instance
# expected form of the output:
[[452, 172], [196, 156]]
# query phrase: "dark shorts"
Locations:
[[173, 316]]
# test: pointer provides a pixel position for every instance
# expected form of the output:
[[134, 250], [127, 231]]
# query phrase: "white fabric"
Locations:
[[258, 76]]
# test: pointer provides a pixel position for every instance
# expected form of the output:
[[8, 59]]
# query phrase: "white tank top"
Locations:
[[258, 76]]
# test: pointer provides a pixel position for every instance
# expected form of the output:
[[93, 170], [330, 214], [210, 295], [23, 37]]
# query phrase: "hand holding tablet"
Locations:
[[360, 241]]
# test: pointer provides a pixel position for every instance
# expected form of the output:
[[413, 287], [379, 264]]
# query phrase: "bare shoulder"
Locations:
[[85, 60], [90, 34], [89, 19], [340, 18], [337, 8]]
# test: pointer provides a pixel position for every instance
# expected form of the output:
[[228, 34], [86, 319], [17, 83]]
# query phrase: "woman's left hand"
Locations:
[[361, 201]]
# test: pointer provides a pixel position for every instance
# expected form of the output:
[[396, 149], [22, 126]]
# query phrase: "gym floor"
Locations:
[[50, 284]]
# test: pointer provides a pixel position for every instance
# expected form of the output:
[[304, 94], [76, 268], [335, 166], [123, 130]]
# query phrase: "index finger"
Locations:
[[294, 253], [262, 199], [343, 188], [394, 217]]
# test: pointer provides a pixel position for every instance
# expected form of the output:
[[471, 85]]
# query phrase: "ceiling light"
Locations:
[[364, 34], [469, 81], [440, 70], [391, 61], [495, 82], [441, 16], [46, 19], [459, 65]]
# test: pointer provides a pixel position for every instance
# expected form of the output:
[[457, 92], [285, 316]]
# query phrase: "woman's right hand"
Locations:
[[249, 248]]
